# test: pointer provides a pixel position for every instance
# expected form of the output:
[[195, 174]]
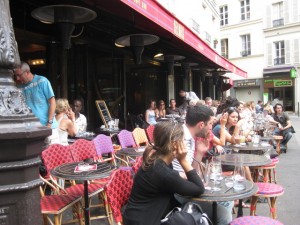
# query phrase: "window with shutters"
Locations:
[[223, 15], [246, 45], [279, 53], [278, 14], [245, 9], [224, 48]]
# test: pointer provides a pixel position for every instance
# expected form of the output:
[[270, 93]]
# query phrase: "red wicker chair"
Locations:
[[149, 131], [117, 191], [83, 149]]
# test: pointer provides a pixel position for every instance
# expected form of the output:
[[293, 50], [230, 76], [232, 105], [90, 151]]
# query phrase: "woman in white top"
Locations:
[[66, 120], [150, 116]]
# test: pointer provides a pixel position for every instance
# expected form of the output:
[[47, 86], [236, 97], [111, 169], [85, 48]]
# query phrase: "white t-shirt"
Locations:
[[81, 123]]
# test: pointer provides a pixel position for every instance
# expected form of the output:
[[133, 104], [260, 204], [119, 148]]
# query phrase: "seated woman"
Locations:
[[150, 113], [155, 184], [160, 112], [66, 121]]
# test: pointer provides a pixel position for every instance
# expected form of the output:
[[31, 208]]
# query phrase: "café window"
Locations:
[[224, 15], [245, 9]]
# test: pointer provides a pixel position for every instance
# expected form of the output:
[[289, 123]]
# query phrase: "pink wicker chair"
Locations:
[[126, 139], [149, 131], [257, 220]]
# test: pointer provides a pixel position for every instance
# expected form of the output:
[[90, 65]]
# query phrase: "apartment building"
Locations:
[[262, 38]]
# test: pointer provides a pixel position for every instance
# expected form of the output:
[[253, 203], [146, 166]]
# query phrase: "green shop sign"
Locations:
[[293, 73], [282, 83]]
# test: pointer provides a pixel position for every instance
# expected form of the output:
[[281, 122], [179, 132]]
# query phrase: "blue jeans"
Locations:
[[287, 135]]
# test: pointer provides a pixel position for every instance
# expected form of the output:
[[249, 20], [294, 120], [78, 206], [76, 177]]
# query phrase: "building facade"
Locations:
[[262, 38]]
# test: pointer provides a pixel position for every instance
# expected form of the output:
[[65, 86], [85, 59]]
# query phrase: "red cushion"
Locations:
[[255, 220], [78, 189], [269, 188], [54, 203]]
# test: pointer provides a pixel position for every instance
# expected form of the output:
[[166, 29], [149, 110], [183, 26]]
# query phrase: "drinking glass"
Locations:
[[239, 175], [116, 125], [215, 173]]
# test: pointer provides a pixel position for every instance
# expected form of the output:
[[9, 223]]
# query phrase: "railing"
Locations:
[[279, 22], [245, 53], [225, 55], [279, 61]]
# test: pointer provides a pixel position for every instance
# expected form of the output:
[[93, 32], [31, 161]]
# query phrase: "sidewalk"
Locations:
[[288, 173]]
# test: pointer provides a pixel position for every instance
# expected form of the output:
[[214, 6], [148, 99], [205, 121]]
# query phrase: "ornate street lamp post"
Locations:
[[21, 138]]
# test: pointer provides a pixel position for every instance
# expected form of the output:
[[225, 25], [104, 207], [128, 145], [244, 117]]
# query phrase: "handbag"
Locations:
[[190, 214], [293, 130]]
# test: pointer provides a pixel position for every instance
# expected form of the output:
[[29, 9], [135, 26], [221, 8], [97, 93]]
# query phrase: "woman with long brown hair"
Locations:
[[155, 183]]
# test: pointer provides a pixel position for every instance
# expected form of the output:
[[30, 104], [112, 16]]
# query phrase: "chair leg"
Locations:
[[45, 219], [57, 220], [274, 175], [272, 204], [253, 205]]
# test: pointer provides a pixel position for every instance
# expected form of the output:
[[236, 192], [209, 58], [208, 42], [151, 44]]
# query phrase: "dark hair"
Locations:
[[196, 114], [164, 134], [229, 102], [275, 106]]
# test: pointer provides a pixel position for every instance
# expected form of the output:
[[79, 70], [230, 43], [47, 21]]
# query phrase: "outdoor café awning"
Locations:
[[150, 16], [278, 69]]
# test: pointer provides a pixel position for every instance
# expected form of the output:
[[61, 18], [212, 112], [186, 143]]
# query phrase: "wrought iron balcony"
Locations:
[[279, 22], [245, 53], [279, 61]]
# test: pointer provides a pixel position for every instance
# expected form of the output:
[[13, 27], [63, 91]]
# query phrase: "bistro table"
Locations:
[[131, 152], [261, 148], [247, 159], [227, 194], [86, 135], [67, 171]]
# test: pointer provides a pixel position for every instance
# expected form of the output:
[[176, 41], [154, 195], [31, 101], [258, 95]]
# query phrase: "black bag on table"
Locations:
[[190, 214]]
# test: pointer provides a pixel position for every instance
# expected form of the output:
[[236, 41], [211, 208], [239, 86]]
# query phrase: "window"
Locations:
[[278, 14], [246, 45], [279, 53], [245, 9], [224, 48], [224, 15]]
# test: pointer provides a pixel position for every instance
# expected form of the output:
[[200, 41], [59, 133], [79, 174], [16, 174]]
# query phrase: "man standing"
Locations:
[[38, 94], [80, 119], [190, 95]]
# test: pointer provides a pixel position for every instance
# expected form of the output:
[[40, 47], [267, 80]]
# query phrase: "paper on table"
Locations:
[[82, 168], [140, 149]]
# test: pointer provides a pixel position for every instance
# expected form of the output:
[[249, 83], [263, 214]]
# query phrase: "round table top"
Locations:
[[228, 194], [248, 159], [132, 152], [67, 171], [264, 147]]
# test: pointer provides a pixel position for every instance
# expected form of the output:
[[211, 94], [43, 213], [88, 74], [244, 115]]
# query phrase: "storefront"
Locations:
[[246, 90], [280, 84]]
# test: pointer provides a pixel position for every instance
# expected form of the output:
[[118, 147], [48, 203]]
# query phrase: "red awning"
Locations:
[[156, 13], [151, 17]]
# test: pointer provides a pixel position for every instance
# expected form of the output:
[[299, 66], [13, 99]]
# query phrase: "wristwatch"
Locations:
[[50, 121]]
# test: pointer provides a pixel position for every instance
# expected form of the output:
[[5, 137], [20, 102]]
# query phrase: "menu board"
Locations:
[[103, 111]]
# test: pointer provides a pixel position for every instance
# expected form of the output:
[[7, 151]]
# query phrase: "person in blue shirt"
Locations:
[[38, 93]]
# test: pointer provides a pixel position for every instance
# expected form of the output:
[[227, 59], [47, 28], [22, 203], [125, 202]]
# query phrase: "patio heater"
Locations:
[[137, 42], [21, 138]]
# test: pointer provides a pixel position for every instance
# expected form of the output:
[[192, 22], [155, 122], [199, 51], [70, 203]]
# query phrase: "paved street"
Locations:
[[288, 170]]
